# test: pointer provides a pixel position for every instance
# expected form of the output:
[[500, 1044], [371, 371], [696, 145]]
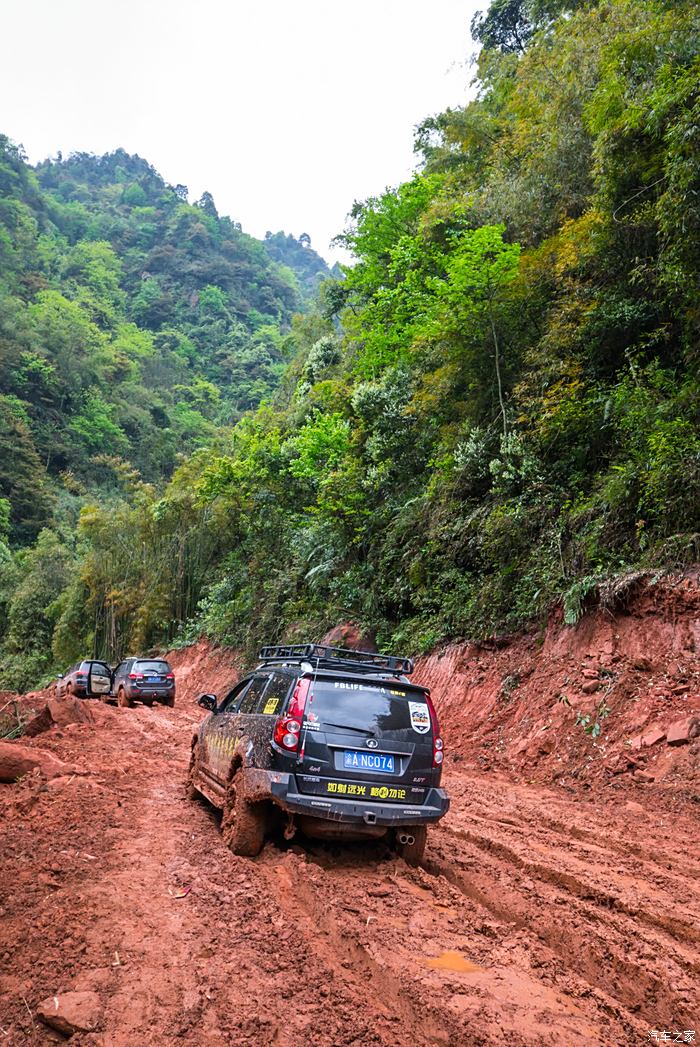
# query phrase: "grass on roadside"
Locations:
[[13, 721]]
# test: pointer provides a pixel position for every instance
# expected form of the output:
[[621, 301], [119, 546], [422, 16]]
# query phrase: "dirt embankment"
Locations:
[[203, 668], [592, 704], [542, 914]]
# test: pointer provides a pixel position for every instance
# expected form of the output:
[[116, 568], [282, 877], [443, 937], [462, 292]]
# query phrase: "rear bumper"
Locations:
[[150, 692], [281, 788]]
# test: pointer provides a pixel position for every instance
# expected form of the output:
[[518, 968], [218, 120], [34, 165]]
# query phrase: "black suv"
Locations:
[[339, 742], [148, 679]]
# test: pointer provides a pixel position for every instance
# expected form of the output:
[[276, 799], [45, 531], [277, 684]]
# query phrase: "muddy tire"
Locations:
[[169, 701], [412, 853], [191, 790], [69, 691], [122, 699], [243, 824]]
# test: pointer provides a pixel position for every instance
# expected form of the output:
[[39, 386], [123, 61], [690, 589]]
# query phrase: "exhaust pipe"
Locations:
[[406, 838]]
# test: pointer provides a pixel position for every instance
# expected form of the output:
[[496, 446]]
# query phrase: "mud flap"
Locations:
[[256, 784]]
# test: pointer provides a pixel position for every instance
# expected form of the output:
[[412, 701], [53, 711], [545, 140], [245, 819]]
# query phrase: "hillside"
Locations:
[[496, 409], [477, 445], [510, 414], [133, 323]]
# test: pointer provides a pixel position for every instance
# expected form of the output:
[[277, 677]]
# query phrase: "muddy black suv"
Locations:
[[334, 742]]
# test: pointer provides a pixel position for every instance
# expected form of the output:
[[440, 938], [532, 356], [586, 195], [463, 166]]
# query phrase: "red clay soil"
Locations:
[[204, 669], [633, 670], [558, 902]]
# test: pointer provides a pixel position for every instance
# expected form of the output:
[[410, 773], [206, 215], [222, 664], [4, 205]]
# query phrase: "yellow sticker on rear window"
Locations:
[[271, 705]]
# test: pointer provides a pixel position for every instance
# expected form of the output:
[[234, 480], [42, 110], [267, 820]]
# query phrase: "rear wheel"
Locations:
[[123, 699], [169, 701], [413, 846], [243, 824]]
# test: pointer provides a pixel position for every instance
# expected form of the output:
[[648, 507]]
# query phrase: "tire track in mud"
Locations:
[[569, 937], [401, 918], [640, 958], [576, 965], [341, 948], [675, 928]]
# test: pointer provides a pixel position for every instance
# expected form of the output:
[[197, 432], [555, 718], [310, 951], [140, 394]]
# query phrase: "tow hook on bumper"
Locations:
[[290, 828]]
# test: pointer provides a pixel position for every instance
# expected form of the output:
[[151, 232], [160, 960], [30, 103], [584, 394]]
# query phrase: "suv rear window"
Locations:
[[154, 667], [369, 707]]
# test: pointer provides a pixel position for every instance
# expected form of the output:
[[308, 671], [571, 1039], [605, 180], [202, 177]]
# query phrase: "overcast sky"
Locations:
[[286, 112]]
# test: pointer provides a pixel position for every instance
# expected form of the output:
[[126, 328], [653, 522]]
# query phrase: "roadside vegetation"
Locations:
[[13, 720], [496, 407]]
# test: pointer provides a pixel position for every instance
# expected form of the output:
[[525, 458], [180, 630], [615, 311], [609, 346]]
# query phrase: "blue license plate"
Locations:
[[378, 763], [153, 679]]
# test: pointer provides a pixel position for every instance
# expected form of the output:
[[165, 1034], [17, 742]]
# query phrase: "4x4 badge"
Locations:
[[372, 743]]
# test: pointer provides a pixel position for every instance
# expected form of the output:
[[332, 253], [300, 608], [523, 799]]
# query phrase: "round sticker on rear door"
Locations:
[[420, 717]]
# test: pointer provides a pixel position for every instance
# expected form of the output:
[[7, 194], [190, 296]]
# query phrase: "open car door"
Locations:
[[99, 680]]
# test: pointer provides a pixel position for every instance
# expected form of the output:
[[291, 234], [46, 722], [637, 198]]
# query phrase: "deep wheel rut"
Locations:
[[536, 918]]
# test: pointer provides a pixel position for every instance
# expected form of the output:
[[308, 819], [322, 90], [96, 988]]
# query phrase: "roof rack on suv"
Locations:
[[336, 658]]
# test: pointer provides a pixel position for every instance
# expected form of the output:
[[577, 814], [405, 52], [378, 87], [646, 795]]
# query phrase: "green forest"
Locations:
[[494, 409]]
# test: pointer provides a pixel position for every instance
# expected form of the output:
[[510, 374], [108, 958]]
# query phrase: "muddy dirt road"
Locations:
[[540, 917]]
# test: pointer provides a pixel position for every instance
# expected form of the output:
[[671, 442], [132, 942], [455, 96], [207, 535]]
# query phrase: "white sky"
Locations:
[[285, 112]]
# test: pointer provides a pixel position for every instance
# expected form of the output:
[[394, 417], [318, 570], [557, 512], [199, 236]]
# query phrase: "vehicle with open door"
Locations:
[[90, 678], [334, 742]]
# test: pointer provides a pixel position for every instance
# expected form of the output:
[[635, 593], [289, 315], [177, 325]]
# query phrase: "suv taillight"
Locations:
[[438, 747], [287, 732], [170, 676], [288, 727]]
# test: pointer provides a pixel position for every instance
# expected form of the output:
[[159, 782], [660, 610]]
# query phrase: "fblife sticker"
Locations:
[[420, 717]]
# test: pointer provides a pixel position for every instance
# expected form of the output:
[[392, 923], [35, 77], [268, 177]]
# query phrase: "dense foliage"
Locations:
[[497, 406], [131, 323], [134, 328]]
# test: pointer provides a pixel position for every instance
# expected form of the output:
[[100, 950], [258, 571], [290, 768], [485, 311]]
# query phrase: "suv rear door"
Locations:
[[368, 739]]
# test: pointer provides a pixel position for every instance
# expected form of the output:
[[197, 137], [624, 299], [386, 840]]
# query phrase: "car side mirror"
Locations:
[[207, 701]]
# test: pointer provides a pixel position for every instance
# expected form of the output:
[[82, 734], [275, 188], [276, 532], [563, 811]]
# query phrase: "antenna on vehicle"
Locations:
[[307, 667]]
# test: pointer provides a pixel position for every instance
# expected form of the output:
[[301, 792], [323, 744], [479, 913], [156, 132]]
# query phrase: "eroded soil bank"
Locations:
[[627, 673], [559, 900]]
